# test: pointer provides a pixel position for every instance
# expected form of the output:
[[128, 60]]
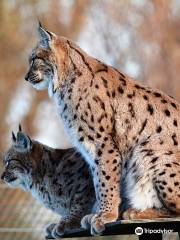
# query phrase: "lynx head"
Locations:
[[19, 161], [47, 61]]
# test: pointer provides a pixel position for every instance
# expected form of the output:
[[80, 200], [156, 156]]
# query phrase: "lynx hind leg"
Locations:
[[156, 182], [167, 184], [133, 214], [165, 176]]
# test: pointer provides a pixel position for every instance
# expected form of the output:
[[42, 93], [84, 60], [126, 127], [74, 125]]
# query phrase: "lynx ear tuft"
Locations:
[[40, 25], [45, 37], [20, 128], [13, 137]]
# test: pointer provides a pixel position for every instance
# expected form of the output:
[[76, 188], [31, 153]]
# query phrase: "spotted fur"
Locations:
[[115, 122]]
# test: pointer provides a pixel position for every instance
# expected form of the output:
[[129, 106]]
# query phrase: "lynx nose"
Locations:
[[27, 76], [2, 176]]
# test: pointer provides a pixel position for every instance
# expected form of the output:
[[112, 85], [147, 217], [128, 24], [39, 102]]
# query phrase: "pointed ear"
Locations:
[[45, 37], [23, 142]]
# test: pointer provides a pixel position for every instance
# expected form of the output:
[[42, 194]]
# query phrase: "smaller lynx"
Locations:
[[58, 178]]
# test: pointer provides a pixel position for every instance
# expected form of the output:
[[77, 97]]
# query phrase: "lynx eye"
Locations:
[[31, 63], [7, 163]]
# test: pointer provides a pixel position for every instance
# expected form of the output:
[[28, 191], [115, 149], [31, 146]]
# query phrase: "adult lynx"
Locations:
[[116, 124]]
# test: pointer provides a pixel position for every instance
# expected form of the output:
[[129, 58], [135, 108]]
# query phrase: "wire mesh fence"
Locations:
[[21, 217]]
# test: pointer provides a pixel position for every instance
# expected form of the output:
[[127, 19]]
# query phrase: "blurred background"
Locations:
[[139, 37]]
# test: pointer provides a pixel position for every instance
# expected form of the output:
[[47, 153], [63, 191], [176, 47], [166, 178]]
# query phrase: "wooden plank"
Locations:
[[128, 228]]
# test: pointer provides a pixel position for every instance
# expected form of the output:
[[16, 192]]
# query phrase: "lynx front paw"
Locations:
[[48, 231], [56, 231], [59, 230], [96, 222]]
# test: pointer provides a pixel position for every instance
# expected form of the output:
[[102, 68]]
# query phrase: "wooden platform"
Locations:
[[128, 228]]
